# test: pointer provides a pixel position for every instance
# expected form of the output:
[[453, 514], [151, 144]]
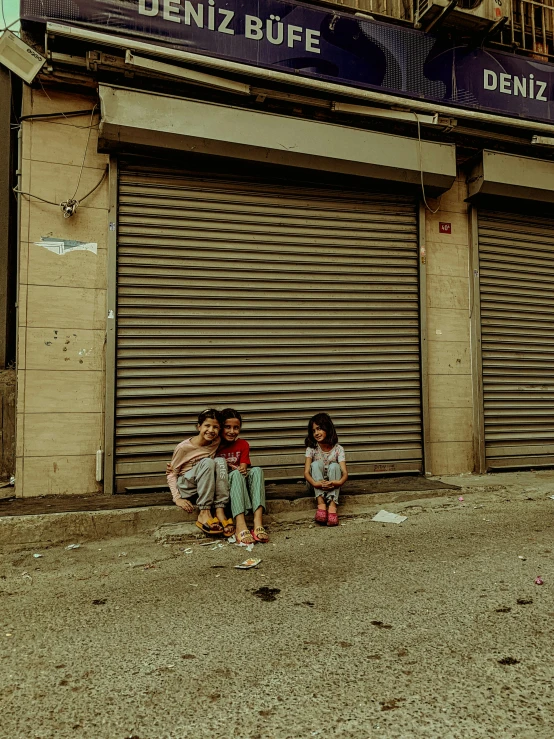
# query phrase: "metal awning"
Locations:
[[512, 176], [131, 117]]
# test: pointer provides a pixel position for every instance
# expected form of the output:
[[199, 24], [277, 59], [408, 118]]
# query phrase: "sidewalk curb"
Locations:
[[54, 529]]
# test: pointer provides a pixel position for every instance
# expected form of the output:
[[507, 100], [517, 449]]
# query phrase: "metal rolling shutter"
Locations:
[[279, 300], [516, 254]]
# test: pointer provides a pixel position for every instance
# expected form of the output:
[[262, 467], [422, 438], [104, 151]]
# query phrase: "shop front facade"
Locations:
[[270, 252]]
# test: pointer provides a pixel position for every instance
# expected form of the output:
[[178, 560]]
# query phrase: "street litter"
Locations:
[[539, 581], [233, 540], [187, 551], [387, 517], [150, 567], [27, 576], [38, 556], [123, 554], [519, 556], [551, 496], [461, 499], [217, 546], [247, 564], [206, 543], [76, 546]]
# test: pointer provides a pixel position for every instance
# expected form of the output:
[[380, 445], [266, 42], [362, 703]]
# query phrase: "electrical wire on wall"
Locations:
[[70, 205], [421, 169], [67, 211]]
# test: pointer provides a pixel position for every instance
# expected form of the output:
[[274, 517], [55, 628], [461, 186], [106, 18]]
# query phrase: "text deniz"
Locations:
[[207, 15], [509, 84]]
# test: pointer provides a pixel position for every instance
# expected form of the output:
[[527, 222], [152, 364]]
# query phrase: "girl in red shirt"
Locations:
[[246, 483]]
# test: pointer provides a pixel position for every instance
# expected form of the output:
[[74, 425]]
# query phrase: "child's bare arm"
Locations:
[[171, 475]]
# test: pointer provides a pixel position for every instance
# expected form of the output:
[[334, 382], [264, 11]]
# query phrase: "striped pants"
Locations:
[[247, 492]]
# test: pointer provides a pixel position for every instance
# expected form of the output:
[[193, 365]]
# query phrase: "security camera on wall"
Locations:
[[20, 58]]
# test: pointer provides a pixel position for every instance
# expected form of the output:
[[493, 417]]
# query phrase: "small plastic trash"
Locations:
[[76, 546], [387, 517], [206, 543], [539, 581], [38, 556], [188, 551], [461, 498], [520, 556], [250, 547], [247, 564]]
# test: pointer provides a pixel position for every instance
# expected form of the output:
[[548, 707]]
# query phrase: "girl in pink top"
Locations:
[[193, 471], [325, 469]]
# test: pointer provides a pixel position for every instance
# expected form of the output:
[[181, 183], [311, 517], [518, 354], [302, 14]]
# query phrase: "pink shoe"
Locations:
[[332, 519], [321, 516]]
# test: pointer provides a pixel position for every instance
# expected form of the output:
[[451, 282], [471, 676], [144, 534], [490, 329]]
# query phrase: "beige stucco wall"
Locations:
[[62, 313], [448, 346], [62, 303]]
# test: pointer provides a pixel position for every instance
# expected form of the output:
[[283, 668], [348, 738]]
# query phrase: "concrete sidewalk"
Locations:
[[171, 523]]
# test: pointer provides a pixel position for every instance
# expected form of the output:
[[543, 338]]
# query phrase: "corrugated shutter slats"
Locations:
[[516, 254], [279, 300]]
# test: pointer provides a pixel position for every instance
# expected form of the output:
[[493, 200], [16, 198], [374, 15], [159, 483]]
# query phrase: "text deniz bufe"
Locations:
[[207, 15], [510, 84]]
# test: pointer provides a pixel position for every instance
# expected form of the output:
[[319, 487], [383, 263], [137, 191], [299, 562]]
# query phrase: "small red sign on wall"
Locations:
[[445, 228]]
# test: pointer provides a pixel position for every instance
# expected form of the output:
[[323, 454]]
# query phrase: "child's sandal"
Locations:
[[212, 527], [228, 527], [332, 519], [260, 534], [321, 516], [245, 537]]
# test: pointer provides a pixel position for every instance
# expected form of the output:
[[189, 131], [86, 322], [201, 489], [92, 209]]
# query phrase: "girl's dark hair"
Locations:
[[209, 413], [228, 413], [323, 420]]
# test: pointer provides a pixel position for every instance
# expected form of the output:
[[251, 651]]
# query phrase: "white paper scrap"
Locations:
[[387, 517], [64, 246], [247, 564]]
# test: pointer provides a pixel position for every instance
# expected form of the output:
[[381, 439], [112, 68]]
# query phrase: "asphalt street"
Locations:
[[433, 628]]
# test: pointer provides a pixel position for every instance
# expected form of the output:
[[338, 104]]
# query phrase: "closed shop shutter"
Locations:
[[279, 300], [516, 255]]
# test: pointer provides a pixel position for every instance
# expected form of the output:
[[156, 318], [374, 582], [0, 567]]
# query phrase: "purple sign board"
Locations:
[[315, 42]]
